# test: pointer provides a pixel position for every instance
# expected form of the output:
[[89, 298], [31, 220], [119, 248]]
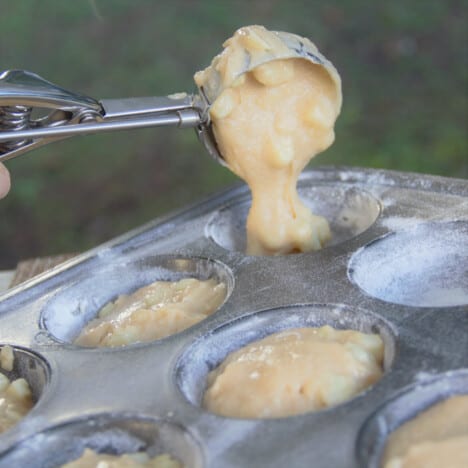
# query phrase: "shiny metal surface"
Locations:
[[98, 397], [70, 113]]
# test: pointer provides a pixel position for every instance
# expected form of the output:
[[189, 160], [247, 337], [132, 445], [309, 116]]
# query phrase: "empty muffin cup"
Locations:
[[426, 266]]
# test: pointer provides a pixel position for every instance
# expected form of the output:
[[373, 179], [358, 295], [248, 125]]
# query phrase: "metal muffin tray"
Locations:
[[397, 265]]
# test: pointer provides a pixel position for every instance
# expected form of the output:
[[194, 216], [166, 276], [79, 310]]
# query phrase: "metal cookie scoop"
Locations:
[[68, 113], [254, 46]]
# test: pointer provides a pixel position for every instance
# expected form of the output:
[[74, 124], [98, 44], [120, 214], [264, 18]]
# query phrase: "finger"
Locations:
[[4, 181]]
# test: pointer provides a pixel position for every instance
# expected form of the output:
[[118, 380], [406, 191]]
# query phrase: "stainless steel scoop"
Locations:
[[66, 113]]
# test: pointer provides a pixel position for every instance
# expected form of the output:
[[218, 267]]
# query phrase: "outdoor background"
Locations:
[[403, 64]]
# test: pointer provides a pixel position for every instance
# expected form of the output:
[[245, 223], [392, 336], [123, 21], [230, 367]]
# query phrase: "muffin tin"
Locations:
[[397, 266]]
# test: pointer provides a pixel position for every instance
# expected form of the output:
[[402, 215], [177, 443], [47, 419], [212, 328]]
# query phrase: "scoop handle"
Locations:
[[72, 114]]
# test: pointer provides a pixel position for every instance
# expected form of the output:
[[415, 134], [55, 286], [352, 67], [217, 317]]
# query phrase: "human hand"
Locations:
[[4, 181]]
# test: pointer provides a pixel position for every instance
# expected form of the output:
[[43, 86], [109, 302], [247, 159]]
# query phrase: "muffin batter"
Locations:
[[294, 371], [7, 358], [268, 124], [15, 396], [152, 312], [437, 437], [91, 459]]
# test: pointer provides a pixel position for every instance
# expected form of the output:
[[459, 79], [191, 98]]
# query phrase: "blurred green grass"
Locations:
[[404, 70]]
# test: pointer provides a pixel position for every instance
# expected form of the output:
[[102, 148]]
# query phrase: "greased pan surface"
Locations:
[[397, 265]]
